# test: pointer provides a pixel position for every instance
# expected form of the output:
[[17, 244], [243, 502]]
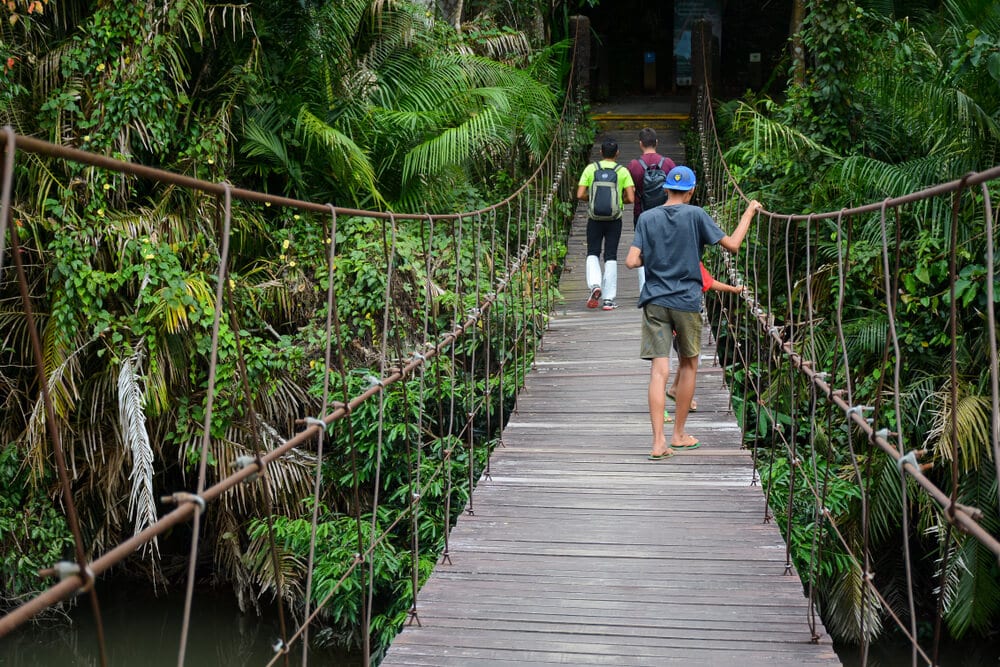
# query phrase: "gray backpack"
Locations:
[[653, 178], [605, 202]]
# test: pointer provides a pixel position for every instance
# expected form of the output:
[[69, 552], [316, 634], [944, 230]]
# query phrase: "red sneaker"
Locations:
[[594, 296]]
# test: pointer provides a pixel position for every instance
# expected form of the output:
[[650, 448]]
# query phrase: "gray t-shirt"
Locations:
[[671, 239]]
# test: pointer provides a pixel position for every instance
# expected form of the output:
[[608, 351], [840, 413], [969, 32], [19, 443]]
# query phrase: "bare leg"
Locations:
[[659, 371], [687, 373]]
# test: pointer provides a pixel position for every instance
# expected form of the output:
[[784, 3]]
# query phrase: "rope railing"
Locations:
[[524, 229], [778, 323]]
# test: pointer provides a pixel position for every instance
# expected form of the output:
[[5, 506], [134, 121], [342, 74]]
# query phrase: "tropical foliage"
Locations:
[[890, 104], [372, 104]]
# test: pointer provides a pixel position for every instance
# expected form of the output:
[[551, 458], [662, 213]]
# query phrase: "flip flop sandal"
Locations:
[[694, 445]]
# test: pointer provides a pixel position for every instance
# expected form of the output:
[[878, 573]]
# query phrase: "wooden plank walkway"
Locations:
[[583, 552]]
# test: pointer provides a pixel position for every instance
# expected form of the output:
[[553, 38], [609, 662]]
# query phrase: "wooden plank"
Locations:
[[578, 550]]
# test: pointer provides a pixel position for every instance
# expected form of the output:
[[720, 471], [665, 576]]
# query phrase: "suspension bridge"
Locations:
[[574, 548], [581, 551]]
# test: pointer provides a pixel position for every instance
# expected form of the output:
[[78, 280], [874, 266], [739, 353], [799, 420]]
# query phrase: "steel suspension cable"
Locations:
[[890, 304], [198, 500], [488, 362], [256, 439], [815, 562], [992, 329], [6, 184], [318, 478], [470, 507], [82, 569]]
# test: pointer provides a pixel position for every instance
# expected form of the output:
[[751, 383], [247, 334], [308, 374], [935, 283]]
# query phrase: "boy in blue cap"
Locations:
[[668, 243]]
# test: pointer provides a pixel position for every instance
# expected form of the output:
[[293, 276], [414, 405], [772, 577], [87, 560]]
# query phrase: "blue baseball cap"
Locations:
[[679, 178]]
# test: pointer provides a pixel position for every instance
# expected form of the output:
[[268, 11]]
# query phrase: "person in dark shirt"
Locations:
[[668, 242], [650, 158]]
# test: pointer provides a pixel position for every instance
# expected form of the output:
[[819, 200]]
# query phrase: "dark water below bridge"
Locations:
[[971, 653], [143, 631]]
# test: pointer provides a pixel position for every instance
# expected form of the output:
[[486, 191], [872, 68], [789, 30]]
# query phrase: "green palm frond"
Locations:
[[170, 312], [772, 136], [878, 180], [421, 85], [866, 336], [545, 65], [973, 424], [132, 427], [404, 122], [983, 15], [263, 142], [396, 34], [346, 158], [454, 146], [975, 604], [885, 499], [917, 402], [158, 399], [847, 612], [341, 23]]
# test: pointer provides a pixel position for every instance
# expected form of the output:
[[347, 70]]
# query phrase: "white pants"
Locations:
[[609, 283]]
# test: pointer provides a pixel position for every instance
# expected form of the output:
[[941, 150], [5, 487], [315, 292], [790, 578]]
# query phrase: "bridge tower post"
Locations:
[[703, 53], [579, 28]]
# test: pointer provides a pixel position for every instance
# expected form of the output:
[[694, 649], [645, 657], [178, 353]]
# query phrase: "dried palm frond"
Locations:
[[259, 560], [287, 480], [63, 370], [132, 422], [511, 48]]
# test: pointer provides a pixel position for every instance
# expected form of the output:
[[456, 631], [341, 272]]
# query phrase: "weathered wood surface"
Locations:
[[581, 551]]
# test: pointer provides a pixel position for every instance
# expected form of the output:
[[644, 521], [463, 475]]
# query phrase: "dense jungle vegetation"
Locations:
[[392, 105], [375, 105], [892, 98]]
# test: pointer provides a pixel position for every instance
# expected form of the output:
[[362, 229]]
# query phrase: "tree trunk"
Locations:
[[451, 11], [798, 50]]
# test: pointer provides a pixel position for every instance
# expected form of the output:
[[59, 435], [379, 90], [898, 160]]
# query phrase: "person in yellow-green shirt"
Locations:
[[607, 186]]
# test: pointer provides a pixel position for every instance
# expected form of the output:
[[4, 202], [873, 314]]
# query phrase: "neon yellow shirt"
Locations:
[[624, 177]]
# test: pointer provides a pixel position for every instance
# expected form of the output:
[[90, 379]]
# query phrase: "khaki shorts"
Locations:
[[659, 325]]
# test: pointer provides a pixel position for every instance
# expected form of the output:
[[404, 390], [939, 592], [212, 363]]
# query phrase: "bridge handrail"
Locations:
[[548, 174], [723, 192]]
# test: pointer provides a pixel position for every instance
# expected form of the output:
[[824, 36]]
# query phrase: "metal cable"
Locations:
[[207, 424], [992, 328], [256, 439], [9, 155], [317, 481]]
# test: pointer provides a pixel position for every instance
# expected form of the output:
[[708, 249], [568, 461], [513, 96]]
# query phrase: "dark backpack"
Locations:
[[605, 202], [653, 178]]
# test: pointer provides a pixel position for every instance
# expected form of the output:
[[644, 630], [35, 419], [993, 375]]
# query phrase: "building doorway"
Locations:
[[642, 47]]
